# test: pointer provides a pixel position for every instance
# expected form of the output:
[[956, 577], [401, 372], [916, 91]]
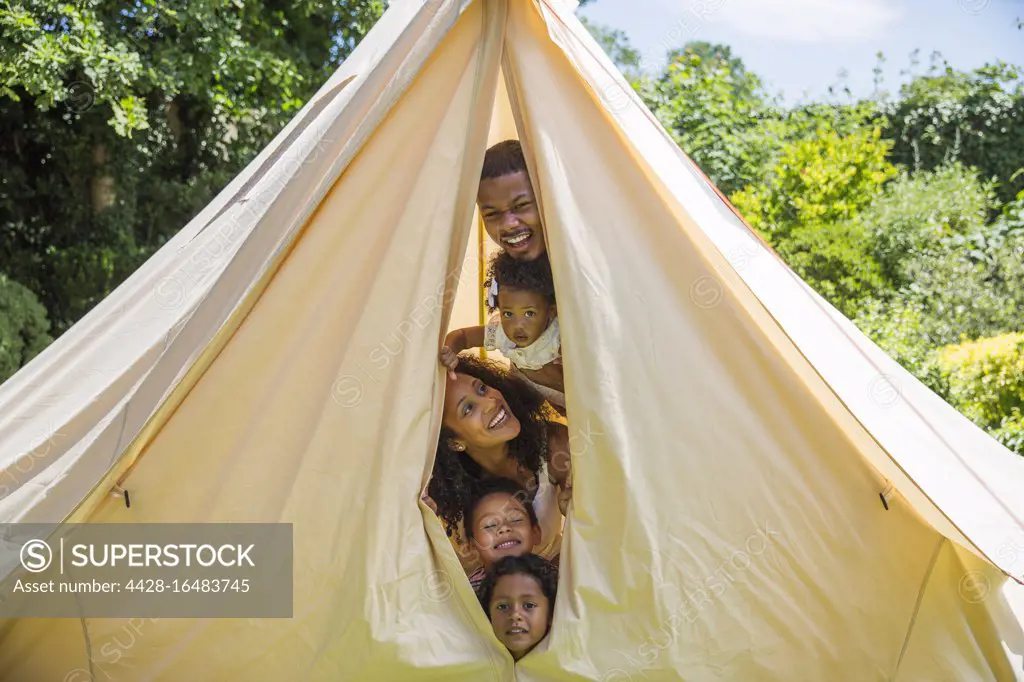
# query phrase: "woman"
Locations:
[[494, 425]]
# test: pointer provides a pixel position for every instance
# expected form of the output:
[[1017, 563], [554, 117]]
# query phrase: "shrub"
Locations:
[[986, 378], [901, 329], [24, 327], [826, 178], [918, 211]]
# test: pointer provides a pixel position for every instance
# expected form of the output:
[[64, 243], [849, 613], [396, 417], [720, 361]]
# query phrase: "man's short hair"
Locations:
[[504, 158]]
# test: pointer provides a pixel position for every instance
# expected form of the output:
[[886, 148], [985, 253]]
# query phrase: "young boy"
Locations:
[[500, 521], [519, 597], [507, 203]]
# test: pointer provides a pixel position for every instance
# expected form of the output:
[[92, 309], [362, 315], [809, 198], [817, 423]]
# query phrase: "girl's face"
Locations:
[[524, 315], [477, 414], [520, 613], [502, 527]]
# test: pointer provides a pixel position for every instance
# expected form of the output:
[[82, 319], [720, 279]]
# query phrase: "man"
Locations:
[[507, 203]]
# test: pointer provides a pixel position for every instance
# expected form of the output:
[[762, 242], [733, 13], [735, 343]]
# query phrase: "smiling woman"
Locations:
[[495, 426]]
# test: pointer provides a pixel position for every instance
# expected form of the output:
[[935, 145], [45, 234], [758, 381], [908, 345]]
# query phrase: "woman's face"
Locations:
[[477, 413]]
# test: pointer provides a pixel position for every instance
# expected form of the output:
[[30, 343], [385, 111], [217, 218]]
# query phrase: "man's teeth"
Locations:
[[518, 239]]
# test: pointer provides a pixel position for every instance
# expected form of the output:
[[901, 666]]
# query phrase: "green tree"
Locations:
[[806, 207], [918, 211], [616, 45], [976, 118], [118, 123], [23, 327], [718, 113]]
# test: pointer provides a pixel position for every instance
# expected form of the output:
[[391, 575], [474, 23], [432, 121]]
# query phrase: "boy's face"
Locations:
[[519, 613], [511, 216], [501, 528], [524, 314]]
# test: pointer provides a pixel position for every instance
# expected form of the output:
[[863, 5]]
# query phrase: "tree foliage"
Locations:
[[975, 118], [986, 383], [117, 124], [24, 328], [717, 112]]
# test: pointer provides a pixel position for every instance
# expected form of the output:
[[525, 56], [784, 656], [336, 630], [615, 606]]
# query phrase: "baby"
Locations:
[[523, 326], [519, 597]]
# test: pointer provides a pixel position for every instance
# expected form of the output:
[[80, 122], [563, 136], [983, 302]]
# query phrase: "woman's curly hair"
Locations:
[[532, 565], [456, 477], [532, 275]]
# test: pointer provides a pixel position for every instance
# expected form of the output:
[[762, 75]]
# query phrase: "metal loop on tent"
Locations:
[[118, 491], [885, 495]]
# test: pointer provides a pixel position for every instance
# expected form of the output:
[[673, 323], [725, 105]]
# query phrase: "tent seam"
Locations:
[[917, 605]]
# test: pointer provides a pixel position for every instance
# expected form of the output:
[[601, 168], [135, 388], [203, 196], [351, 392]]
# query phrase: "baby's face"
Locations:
[[524, 315], [519, 613], [501, 528]]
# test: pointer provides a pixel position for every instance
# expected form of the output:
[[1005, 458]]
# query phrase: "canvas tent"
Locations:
[[732, 432]]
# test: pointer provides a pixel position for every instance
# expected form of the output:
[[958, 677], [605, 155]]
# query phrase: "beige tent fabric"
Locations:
[[730, 435]]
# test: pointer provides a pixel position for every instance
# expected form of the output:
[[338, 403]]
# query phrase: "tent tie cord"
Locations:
[[886, 495]]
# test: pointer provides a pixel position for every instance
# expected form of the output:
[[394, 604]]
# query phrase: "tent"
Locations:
[[760, 493]]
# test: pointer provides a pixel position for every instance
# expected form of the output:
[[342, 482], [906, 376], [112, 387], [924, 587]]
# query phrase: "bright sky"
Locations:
[[800, 46]]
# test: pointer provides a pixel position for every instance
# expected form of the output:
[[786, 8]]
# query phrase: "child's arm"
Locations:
[[559, 463], [457, 341]]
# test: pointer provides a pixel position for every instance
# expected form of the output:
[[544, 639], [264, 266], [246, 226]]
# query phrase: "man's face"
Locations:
[[511, 216]]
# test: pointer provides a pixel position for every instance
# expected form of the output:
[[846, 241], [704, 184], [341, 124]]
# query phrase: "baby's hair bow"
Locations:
[[492, 294]]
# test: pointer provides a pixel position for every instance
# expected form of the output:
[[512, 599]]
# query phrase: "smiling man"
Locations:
[[507, 203]]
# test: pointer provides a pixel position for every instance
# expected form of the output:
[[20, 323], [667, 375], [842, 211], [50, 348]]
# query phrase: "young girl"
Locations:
[[500, 521], [524, 327], [518, 595]]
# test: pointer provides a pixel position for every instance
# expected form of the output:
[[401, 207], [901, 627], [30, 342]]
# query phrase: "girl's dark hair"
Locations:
[[491, 486], [534, 275], [529, 564], [456, 478]]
